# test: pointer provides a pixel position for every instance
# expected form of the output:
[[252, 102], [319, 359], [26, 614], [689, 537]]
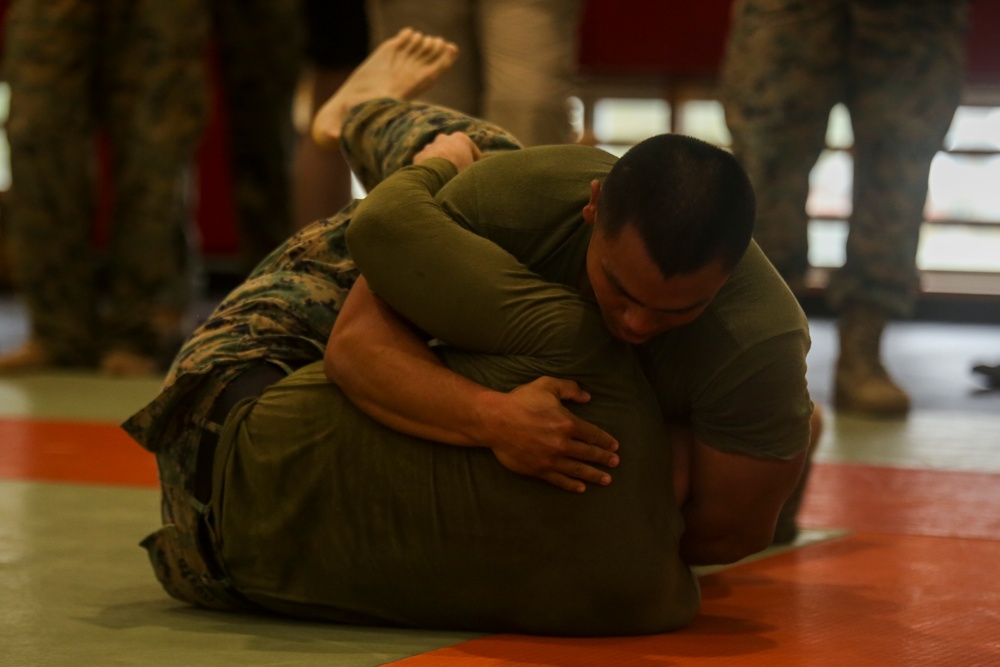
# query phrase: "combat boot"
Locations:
[[862, 384]]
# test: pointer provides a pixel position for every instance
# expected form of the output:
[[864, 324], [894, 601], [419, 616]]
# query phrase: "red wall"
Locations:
[[653, 36]]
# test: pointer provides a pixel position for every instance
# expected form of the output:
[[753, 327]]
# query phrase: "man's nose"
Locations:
[[641, 322]]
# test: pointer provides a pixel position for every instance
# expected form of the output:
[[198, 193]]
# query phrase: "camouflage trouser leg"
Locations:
[[75, 66], [155, 107], [381, 136], [782, 73], [906, 75], [897, 67], [50, 63]]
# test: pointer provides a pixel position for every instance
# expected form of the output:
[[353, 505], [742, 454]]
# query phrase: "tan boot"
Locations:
[[862, 384]]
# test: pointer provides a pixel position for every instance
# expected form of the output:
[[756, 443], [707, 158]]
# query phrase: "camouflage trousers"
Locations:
[[897, 66], [282, 315], [136, 71]]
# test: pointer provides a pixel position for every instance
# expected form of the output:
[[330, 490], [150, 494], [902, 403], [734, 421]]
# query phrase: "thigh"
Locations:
[[784, 69]]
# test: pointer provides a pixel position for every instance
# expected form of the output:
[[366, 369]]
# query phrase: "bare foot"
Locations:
[[29, 357], [401, 67]]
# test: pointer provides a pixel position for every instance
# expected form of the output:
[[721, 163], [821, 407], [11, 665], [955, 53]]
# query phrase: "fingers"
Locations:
[[573, 472], [565, 390], [573, 475], [457, 148], [565, 483], [590, 434], [581, 451]]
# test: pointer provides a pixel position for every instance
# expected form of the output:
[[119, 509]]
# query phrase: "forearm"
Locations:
[[388, 371]]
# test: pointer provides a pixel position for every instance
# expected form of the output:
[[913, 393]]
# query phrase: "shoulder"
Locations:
[[548, 163], [737, 373], [755, 304]]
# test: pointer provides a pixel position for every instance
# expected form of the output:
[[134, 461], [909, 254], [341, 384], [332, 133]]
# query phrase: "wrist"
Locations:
[[489, 410]]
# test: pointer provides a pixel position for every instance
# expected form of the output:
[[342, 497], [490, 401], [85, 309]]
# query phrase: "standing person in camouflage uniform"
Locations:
[[897, 66], [135, 70]]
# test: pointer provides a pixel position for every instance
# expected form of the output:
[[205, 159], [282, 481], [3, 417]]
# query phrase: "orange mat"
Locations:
[[914, 588], [94, 453], [904, 501], [866, 599]]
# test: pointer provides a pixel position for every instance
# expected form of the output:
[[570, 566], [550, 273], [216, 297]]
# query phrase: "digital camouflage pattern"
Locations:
[[136, 70], [897, 66], [282, 314]]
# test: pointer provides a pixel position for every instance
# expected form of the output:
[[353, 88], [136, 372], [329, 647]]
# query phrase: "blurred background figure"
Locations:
[[336, 41], [134, 70], [259, 53], [516, 64], [897, 65]]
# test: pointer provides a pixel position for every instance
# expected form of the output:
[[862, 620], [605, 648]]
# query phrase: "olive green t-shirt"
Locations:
[[438, 248], [324, 513]]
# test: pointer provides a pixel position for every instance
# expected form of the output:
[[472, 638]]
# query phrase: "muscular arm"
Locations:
[[732, 501], [389, 372]]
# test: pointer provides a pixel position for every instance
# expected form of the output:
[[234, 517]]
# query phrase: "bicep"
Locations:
[[446, 280]]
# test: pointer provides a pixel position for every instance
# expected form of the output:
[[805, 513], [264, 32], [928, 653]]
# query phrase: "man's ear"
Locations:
[[590, 210]]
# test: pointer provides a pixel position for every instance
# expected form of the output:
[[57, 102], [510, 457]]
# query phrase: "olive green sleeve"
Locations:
[[759, 404], [454, 285]]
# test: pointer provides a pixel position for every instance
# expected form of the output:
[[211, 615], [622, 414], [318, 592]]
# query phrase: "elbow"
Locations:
[[329, 368], [367, 237], [333, 359]]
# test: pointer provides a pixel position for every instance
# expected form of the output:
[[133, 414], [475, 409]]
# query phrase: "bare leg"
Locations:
[[401, 67], [321, 179]]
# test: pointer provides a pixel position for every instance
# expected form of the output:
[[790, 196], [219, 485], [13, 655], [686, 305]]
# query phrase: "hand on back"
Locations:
[[457, 148], [536, 435]]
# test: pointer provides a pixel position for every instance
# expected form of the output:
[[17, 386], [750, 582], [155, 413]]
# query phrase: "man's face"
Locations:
[[637, 302]]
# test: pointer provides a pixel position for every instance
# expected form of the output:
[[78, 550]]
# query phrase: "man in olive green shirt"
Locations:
[[314, 509]]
